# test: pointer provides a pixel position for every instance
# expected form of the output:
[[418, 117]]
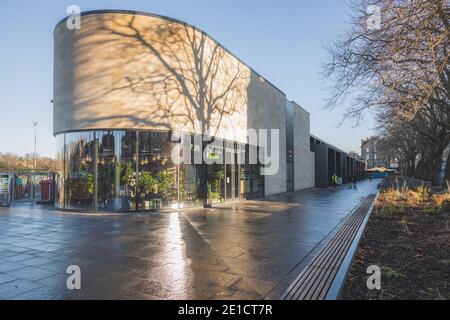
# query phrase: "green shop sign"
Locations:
[[212, 155]]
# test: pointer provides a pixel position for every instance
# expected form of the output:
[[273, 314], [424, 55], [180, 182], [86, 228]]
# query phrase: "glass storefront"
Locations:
[[117, 184], [129, 170], [79, 170]]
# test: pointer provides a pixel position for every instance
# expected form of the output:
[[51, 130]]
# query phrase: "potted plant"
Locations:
[[146, 184], [164, 182]]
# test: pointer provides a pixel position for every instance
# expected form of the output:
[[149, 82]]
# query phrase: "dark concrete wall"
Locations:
[[331, 165], [339, 164], [344, 168], [321, 165], [330, 160]]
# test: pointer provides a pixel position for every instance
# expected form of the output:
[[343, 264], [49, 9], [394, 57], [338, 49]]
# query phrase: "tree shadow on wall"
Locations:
[[176, 77]]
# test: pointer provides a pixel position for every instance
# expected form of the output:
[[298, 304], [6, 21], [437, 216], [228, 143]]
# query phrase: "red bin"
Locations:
[[46, 186]]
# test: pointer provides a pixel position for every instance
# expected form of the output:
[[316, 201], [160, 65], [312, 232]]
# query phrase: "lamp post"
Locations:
[[35, 123]]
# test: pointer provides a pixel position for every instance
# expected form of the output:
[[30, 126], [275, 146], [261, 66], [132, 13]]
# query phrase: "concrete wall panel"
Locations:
[[321, 165], [266, 109]]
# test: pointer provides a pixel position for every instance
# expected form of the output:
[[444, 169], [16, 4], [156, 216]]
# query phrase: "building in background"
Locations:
[[375, 156]]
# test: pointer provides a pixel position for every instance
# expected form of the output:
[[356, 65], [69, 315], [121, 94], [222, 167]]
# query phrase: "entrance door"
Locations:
[[231, 176]]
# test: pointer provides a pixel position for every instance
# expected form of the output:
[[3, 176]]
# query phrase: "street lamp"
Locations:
[[35, 123]]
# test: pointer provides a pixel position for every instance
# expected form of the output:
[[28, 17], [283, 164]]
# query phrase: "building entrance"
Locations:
[[231, 176]]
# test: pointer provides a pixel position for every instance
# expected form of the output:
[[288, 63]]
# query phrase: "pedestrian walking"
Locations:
[[334, 180]]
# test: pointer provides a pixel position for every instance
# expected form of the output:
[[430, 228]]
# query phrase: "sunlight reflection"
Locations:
[[176, 268]]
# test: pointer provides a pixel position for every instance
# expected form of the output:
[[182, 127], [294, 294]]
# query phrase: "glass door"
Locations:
[[231, 176]]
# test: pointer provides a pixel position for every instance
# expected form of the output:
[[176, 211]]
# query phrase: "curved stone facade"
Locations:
[[127, 70], [124, 80]]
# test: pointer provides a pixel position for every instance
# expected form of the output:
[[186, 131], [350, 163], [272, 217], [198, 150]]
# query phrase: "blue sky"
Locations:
[[282, 40]]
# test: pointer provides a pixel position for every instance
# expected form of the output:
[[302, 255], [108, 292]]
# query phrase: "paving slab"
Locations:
[[246, 250]]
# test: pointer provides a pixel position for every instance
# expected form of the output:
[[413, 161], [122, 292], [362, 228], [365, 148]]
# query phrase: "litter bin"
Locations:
[[46, 188]]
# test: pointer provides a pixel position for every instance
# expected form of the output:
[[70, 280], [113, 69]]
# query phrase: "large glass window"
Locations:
[[108, 172], [251, 180], [189, 175], [157, 172], [79, 170], [125, 170], [126, 153], [59, 174], [215, 160]]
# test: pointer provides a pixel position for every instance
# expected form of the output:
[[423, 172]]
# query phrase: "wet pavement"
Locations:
[[248, 250]]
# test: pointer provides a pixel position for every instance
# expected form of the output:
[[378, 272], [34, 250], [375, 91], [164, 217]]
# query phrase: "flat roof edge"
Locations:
[[155, 15], [334, 147], [299, 106]]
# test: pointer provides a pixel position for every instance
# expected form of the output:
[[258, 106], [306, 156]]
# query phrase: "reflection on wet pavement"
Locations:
[[248, 250]]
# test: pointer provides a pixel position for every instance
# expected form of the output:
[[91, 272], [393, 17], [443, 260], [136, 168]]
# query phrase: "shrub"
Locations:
[[446, 206], [390, 209], [393, 195], [441, 200], [146, 182], [430, 210], [390, 196], [165, 181], [423, 192]]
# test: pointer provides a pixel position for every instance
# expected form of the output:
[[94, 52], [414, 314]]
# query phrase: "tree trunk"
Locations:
[[437, 156], [410, 169], [423, 170], [430, 163], [436, 170], [447, 171]]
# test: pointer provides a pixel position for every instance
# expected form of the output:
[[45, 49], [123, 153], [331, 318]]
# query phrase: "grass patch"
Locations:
[[388, 210], [390, 273], [408, 237], [445, 262]]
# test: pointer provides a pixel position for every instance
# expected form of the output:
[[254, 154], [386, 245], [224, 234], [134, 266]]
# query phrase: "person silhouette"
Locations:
[[334, 180]]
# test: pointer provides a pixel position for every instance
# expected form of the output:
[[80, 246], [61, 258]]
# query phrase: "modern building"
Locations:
[[133, 89], [330, 160]]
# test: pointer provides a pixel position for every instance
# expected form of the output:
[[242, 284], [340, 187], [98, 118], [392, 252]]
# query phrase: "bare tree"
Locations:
[[10, 161], [400, 70]]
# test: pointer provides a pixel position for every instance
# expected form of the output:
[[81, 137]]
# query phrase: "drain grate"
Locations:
[[315, 280]]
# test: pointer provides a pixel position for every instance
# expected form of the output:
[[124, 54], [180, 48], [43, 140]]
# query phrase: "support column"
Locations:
[[95, 170]]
